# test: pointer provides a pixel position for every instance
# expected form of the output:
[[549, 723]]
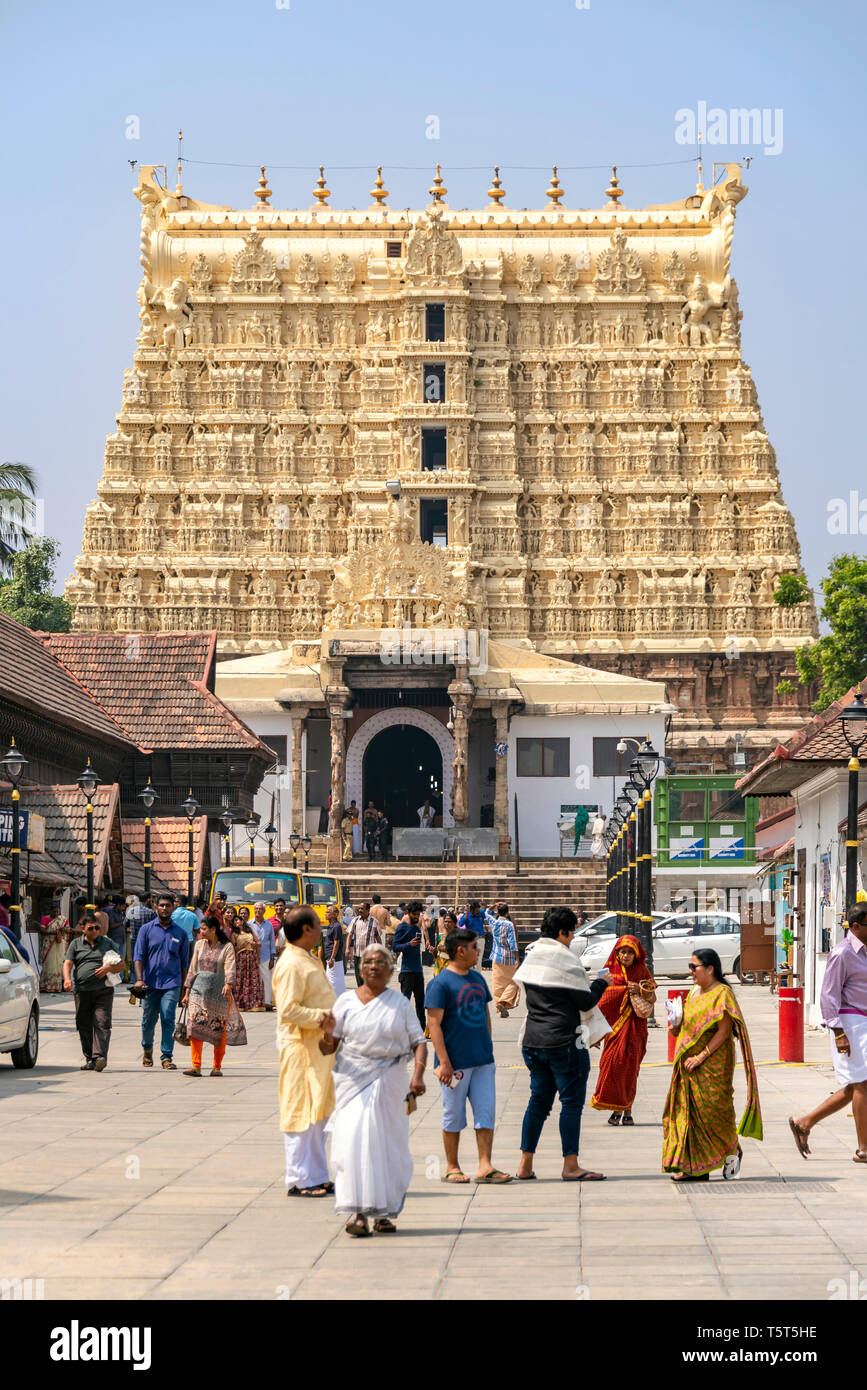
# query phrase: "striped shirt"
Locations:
[[362, 933], [504, 947]]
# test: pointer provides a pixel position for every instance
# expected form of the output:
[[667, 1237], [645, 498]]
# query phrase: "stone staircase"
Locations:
[[542, 883]]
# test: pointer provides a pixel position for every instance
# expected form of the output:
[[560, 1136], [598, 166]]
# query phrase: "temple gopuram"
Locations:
[[532, 424]]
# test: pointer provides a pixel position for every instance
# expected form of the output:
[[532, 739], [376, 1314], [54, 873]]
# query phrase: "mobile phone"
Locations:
[[411, 1103]]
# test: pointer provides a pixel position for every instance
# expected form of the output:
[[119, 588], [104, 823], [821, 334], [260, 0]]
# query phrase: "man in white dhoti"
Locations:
[[376, 1031], [843, 1004], [333, 948], [303, 999], [597, 832]]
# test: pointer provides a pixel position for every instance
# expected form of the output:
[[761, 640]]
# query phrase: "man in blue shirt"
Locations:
[[407, 945], [475, 920], [162, 954], [184, 917], [460, 1028]]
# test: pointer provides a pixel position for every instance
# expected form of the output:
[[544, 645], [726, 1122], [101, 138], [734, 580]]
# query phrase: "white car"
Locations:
[[606, 925], [19, 1005], [675, 937]]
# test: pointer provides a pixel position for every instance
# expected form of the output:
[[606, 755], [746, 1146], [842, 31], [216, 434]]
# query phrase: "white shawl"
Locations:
[[550, 965]]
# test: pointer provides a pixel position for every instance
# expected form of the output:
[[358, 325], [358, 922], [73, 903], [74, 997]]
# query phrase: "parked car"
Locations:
[[675, 937], [606, 925], [19, 1005]]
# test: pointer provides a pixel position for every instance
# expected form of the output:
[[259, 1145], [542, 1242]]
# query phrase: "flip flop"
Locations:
[[456, 1176], [859, 1156], [529, 1178], [384, 1227], [585, 1177], [307, 1191], [495, 1178], [800, 1136]]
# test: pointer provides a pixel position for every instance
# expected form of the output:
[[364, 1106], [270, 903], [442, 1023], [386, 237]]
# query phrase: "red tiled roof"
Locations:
[[66, 826], [169, 847], [133, 875], [154, 686], [767, 821], [820, 741], [33, 677]]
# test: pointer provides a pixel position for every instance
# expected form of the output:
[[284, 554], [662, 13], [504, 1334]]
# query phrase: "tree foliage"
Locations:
[[17, 496], [838, 660], [27, 596], [791, 590]]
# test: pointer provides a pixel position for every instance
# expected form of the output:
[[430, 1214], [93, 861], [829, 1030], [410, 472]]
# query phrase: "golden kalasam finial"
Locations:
[[614, 192], [554, 192], [321, 192], [379, 192], [179, 190], [496, 192], [438, 191], [263, 192]]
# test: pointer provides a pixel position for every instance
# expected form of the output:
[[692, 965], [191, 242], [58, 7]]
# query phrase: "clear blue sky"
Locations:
[[339, 83]]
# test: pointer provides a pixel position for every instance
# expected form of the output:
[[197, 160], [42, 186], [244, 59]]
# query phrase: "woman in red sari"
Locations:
[[632, 989]]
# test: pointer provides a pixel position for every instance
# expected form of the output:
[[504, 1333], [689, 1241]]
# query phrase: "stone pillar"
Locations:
[[338, 774], [461, 693], [500, 710], [297, 780]]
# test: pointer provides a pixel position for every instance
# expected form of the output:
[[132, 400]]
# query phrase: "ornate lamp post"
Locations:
[[227, 819], [88, 781], [270, 833], [306, 845], [148, 796], [645, 767], [853, 721], [294, 842], [14, 764], [190, 808], [251, 825], [624, 807]]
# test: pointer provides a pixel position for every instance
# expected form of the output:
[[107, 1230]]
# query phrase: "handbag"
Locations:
[[426, 957], [641, 1007], [182, 1028]]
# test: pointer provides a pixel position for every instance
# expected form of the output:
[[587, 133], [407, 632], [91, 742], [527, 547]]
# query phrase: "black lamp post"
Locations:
[[251, 825], [190, 808], [270, 833], [14, 764], [88, 781], [645, 767], [148, 796], [294, 842], [624, 806], [306, 845], [227, 819], [854, 724]]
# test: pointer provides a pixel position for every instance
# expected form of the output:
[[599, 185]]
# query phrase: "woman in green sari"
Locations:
[[699, 1115]]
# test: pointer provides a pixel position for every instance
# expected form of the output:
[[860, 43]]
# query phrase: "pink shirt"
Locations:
[[844, 988]]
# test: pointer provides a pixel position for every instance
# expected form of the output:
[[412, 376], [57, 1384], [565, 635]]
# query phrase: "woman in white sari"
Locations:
[[376, 1031]]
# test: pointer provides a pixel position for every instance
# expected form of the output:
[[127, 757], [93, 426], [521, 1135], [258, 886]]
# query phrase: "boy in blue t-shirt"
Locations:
[[460, 1028]]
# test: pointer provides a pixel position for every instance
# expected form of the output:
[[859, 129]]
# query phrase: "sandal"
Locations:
[[529, 1177], [357, 1226], [627, 1119], [193, 1071], [859, 1156], [456, 1176], [586, 1176], [307, 1191], [495, 1177], [800, 1135], [383, 1226], [215, 1072], [614, 1119]]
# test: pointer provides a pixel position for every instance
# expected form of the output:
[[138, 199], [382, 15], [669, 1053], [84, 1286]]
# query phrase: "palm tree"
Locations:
[[17, 496]]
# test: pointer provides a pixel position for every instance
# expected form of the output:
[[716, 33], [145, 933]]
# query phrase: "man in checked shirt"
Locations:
[[363, 931]]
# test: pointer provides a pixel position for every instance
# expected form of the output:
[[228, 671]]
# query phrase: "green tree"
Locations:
[[27, 596], [791, 590], [838, 660], [17, 495]]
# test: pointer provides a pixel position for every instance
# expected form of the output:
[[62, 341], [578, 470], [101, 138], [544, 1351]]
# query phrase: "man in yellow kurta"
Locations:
[[303, 999]]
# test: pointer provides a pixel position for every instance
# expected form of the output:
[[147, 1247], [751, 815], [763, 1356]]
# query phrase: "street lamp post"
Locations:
[[227, 819], [190, 808], [14, 764], [148, 796], [88, 781], [306, 845], [624, 807], [294, 842], [854, 724], [270, 833], [645, 767], [251, 825]]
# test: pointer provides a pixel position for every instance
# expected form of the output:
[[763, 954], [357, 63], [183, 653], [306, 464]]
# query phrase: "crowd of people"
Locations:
[[344, 1049]]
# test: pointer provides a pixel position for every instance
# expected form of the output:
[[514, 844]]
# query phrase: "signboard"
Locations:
[[30, 825], [682, 848], [726, 847]]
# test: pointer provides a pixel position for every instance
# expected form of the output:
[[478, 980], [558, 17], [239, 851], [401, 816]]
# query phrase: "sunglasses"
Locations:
[[692, 967]]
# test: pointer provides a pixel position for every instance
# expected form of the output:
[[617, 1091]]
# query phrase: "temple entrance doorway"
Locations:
[[403, 767]]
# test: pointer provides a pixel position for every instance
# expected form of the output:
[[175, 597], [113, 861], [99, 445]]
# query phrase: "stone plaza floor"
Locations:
[[139, 1184]]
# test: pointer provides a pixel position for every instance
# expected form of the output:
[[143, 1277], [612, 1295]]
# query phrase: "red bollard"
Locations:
[[672, 1037], [792, 1024]]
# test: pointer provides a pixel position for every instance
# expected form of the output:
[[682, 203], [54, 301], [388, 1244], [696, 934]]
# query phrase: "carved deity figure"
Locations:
[[175, 302], [695, 330]]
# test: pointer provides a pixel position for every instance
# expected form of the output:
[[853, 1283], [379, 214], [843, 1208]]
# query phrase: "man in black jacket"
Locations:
[[554, 1043]]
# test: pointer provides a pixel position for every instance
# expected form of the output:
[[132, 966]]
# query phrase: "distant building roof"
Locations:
[[66, 826], [819, 744], [154, 687], [169, 848]]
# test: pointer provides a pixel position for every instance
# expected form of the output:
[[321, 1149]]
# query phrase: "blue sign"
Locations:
[[6, 826]]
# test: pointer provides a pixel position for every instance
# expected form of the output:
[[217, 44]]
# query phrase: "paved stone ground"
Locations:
[[145, 1184]]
